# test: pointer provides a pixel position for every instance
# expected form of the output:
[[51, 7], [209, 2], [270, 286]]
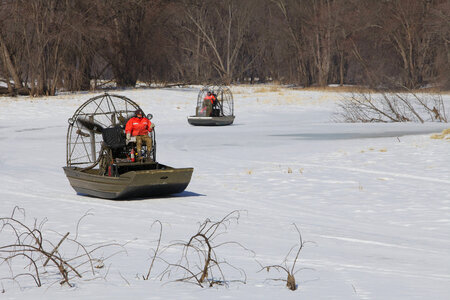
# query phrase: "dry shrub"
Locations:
[[30, 252], [392, 107], [289, 270], [199, 262]]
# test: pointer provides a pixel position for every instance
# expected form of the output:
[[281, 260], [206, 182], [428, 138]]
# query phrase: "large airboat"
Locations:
[[101, 162], [215, 107]]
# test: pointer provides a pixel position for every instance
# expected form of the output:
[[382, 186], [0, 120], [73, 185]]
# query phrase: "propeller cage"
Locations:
[[97, 123]]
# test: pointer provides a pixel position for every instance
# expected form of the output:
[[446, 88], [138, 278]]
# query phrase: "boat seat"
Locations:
[[114, 137]]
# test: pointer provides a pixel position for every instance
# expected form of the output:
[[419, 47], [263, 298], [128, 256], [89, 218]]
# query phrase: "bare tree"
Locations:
[[322, 38], [10, 70], [9, 66], [397, 45], [46, 45], [126, 29], [221, 27], [438, 23], [293, 24], [43, 40], [403, 23]]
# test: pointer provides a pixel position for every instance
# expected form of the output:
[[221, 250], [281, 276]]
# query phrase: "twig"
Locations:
[[55, 249], [156, 251]]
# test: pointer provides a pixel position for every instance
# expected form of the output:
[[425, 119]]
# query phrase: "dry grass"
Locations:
[[445, 134], [255, 88], [338, 89], [268, 89], [437, 136]]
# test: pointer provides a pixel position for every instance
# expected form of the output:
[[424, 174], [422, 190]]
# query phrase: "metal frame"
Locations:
[[225, 100], [83, 142]]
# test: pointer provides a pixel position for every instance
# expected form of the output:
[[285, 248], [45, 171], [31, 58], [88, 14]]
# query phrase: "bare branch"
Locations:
[[199, 262], [290, 272], [40, 255]]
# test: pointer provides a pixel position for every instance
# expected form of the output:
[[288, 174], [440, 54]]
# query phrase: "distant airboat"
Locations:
[[101, 163], [215, 107]]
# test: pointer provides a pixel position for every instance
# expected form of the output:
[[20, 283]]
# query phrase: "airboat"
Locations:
[[216, 112], [101, 162]]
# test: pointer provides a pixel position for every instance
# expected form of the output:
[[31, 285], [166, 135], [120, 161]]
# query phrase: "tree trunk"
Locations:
[[9, 65], [341, 68]]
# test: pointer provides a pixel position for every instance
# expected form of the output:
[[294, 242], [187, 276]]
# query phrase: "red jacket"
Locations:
[[210, 98], [138, 126]]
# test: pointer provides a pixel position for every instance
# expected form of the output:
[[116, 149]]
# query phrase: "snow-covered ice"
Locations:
[[374, 199]]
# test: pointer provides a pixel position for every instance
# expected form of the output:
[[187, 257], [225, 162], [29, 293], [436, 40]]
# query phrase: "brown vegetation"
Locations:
[[28, 252], [47, 45], [392, 107], [48, 257], [284, 266], [200, 263]]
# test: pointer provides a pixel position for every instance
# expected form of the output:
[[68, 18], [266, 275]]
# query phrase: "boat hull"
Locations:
[[131, 184], [210, 121]]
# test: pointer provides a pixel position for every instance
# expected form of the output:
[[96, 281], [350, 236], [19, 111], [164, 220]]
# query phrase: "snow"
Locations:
[[373, 200]]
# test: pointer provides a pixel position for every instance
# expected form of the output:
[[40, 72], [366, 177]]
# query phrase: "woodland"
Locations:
[[60, 45]]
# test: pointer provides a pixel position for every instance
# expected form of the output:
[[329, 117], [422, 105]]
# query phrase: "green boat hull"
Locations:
[[145, 181], [210, 121]]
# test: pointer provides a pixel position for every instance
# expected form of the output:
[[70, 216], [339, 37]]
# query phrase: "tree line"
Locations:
[[50, 45]]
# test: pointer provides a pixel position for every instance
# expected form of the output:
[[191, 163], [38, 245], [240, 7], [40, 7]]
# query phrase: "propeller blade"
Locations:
[[90, 125]]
